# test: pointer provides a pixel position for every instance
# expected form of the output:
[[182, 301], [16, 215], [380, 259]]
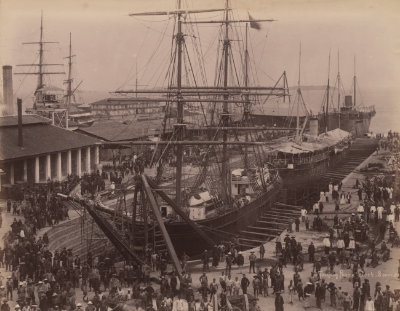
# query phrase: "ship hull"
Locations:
[[219, 228], [223, 227], [355, 122], [303, 176]]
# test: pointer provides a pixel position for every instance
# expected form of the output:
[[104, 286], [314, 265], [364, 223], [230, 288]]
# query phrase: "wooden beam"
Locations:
[[157, 215], [184, 142]]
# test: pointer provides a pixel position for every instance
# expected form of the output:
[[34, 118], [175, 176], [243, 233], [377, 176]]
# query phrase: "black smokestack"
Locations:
[[8, 91], [20, 138]]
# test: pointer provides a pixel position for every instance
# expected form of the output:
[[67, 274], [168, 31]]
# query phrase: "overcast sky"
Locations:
[[107, 42]]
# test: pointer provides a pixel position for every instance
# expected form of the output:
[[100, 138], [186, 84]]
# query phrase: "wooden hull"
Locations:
[[223, 227], [302, 176], [220, 228]]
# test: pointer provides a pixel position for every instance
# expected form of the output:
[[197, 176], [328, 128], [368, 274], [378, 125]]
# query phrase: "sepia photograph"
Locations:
[[213, 155]]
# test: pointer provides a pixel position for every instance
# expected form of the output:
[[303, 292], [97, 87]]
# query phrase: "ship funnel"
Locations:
[[314, 127], [348, 101], [20, 136], [8, 99]]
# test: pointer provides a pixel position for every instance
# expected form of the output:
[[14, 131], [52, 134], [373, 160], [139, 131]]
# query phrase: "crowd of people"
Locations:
[[42, 280]]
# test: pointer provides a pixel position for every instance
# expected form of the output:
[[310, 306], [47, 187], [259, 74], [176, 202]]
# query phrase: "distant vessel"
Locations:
[[305, 157], [53, 102], [348, 116], [343, 112]]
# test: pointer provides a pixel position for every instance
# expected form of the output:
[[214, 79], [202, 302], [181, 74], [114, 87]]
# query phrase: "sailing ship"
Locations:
[[303, 158], [53, 102], [231, 185], [347, 114]]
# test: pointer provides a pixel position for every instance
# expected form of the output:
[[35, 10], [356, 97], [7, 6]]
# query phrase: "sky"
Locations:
[[110, 46]]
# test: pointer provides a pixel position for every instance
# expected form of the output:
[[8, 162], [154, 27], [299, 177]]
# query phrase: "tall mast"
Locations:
[[246, 105], [298, 102], [338, 86], [69, 80], [179, 125], [327, 95], [40, 76], [354, 82], [225, 111]]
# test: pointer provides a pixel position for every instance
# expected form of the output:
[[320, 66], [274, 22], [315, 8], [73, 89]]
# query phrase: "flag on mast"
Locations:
[[253, 23]]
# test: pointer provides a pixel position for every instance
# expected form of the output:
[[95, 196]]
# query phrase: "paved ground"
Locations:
[[385, 273]]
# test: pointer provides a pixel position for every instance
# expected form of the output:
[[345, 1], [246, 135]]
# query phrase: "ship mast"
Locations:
[[179, 127], [338, 86], [179, 91], [247, 104], [298, 103], [354, 82], [69, 80], [41, 73], [327, 95], [40, 77], [225, 110]]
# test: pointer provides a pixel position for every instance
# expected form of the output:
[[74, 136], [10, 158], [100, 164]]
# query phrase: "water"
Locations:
[[387, 110]]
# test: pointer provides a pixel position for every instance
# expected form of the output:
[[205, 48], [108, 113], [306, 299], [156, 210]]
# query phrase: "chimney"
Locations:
[[20, 138], [8, 90]]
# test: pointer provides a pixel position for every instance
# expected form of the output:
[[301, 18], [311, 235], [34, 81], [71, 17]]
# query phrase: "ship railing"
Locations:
[[302, 160], [367, 108]]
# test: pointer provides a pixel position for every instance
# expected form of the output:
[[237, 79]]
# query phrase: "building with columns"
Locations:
[[46, 151]]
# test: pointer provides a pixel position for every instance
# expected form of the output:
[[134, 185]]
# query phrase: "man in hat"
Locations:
[[278, 301], [311, 251], [262, 251], [4, 305], [303, 214], [327, 244], [228, 262], [278, 245], [332, 261], [3, 292], [346, 301], [356, 297], [297, 223], [252, 260], [369, 304], [9, 288], [206, 259], [318, 295], [90, 306], [244, 283]]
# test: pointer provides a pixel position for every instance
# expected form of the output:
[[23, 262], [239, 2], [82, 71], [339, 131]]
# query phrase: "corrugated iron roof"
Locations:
[[39, 139], [26, 119], [118, 131]]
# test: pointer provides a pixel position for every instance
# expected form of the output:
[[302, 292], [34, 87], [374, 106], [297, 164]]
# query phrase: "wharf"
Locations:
[[386, 273]]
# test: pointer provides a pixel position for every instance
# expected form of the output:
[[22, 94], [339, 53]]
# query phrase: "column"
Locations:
[[59, 171], [48, 166], [25, 170], [37, 175], [12, 173], [88, 168], [78, 162], [96, 155], [69, 162]]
